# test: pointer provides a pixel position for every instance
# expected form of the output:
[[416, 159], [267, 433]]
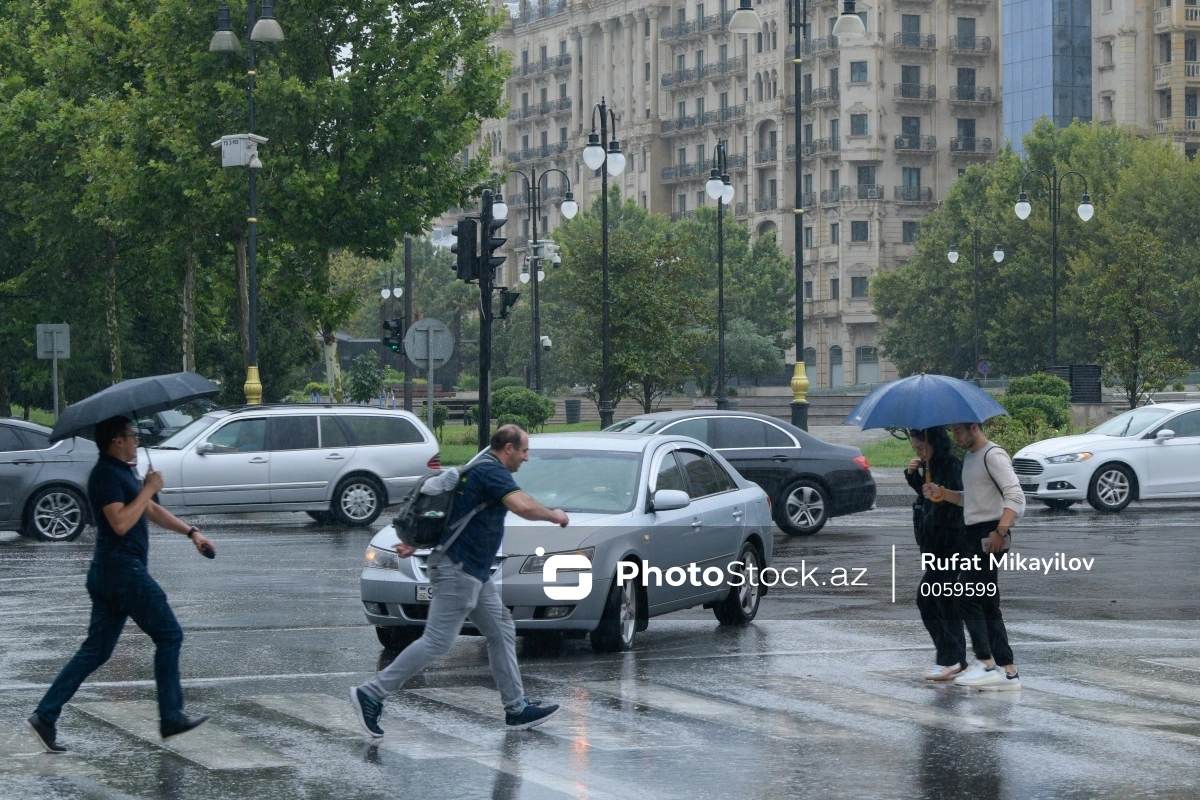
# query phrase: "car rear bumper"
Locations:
[[852, 490]]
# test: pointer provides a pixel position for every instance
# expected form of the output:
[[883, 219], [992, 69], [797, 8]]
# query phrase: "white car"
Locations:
[[1148, 453]]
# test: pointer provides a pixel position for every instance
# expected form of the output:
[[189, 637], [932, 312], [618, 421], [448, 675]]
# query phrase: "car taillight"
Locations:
[[862, 462], [435, 462], [769, 505]]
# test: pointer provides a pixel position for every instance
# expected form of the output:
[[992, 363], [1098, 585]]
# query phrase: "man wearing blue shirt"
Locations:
[[121, 587], [462, 587]]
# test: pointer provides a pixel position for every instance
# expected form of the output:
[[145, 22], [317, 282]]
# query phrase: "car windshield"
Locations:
[[178, 417], [1131, 423], [182, 437], [581, 481], [633, 426]]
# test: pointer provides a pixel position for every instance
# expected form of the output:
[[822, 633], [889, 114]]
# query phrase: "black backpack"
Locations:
[[423, 519]]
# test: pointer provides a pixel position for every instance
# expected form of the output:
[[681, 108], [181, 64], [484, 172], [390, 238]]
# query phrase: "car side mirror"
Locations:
[[1164, 434], [669, 500], [204, 448]]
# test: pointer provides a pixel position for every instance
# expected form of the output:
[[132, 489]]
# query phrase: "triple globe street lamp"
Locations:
[[262, 28], [997, 256], [719, 189]]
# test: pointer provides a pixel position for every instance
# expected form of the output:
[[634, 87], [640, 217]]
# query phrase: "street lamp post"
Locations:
[[390, 294], [719, 189], [595, 157], [997, 256], [569, 208], [1085, 212], [262, 28]]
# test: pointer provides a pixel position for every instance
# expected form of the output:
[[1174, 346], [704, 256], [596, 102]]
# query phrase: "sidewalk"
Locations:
[[891, 490]]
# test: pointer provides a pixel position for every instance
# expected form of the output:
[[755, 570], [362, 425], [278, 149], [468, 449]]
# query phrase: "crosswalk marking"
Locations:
[[335, 714], [1177, 663], [877, 705], [20, 754], [1138, 684], [723, 712], [1094, 710], [210, 746], [578, 729]]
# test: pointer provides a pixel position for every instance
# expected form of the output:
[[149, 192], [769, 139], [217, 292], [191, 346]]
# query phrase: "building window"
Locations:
[[859, 230], [835, 289], [699, 107], [647, 72], [682, 154], [835, 235], [859, 287], [645, 160], [758, 42], [562, 134], [680, 62], [700, 195], [682, 203], [808, 237], [858, 124], [858, 72], [1106, 53], [835, 366], [646, 28], [682, 109], [772, 186], [644, 201], [866, 365], [909, 233], [723, 53], [808, 290], [810, 357]]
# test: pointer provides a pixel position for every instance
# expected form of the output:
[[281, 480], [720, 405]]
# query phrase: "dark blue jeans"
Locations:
[[121, 587]]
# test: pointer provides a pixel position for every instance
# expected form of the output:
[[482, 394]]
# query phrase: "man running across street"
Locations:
[[121, 587], [992, 501], [463, 589]]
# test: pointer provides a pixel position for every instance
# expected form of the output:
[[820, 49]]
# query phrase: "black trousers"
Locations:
[[985, 623]]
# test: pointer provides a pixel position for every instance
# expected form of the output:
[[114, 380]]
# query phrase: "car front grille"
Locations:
[[420, 568], [1026, 466]]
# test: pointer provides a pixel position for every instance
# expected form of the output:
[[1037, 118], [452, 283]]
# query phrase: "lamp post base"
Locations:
[[722, 403], [800, 397], [606, 415], [252, 387]]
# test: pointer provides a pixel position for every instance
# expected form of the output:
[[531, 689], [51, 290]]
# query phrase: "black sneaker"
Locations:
[[183, 725], [531, 716], [46, 734], [368, 710]]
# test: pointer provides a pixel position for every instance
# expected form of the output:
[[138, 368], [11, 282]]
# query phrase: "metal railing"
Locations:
[[534, 153], [678, 215], [915, 142], [682, 171], [862, 191], [914, 194], [824, 96], [821, 146], [916, 91], [741, 209], [970, 94], [766, 155], [548, 64], [719, 115], [680, 123], [970, 144], [831, 195], [736, 161], [766, 203], [971, 44], [914, 41], [808, 199], [534, 12], [713, 22]]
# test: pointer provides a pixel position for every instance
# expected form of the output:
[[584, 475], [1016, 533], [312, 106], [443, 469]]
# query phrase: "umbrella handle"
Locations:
[[941, 491]]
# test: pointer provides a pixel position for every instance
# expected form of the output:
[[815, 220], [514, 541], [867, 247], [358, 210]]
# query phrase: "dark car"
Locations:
[[155, 428], [807, 480], [43, 485]]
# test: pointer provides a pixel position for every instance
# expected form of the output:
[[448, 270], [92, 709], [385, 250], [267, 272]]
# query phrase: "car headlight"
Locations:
[[1069, 458], [535, 563], [379, 558]]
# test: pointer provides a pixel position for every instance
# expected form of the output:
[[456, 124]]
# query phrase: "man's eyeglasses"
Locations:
[[133, 436]]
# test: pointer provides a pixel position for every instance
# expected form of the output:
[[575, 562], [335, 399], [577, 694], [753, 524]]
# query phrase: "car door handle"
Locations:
[[259, 460], [697, 524], [24, 463], [737, 513], [779, 458], [335, 457]]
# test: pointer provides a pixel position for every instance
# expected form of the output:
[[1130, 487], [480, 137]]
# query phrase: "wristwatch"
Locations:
[[191, 530]]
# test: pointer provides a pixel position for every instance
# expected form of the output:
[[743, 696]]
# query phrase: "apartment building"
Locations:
[[1147, 67], [887, 123]]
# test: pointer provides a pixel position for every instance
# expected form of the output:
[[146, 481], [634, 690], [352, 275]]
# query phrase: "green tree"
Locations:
[[365, 379], [748, 354]]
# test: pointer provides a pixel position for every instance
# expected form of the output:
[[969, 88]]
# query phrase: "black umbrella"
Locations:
[[131, 397]]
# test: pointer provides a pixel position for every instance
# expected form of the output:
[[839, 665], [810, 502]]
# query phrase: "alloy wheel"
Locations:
[[57, 515], [359, 501], [1112, 487], [805, 507]]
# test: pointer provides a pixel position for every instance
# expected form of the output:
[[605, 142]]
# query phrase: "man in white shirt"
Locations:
[[992, 502]]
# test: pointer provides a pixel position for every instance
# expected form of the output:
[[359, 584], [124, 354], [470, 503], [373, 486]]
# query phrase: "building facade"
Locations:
[[887, 123], [1147, 67]]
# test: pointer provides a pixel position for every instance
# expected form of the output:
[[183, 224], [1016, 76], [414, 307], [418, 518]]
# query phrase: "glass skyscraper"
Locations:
[[1047, 63]]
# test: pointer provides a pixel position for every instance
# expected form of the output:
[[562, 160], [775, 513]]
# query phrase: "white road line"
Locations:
[[1094, 710], [722, 712], [20, 754], [574, 728], [1177, 663], [210, 745], [1123, 681], [190, 681], [879, 706]]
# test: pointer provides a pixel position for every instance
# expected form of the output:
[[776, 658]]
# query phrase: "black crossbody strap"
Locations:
[[461, 525], [989, 469]]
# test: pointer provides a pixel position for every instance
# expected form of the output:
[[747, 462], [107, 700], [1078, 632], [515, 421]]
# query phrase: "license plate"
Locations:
[[424, 592], [1031, 488]]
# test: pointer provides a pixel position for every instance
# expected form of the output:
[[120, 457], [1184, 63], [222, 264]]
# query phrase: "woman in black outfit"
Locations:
[[938, 526]]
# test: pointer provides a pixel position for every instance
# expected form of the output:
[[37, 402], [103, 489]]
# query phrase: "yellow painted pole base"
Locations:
[[800, 383], [252, 388]]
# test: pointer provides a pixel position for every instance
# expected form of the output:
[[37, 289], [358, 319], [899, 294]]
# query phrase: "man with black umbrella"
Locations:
[[121, 587]]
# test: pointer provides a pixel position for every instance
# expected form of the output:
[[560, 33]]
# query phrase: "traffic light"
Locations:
[[466, 232], [507, 300], [392, 335], [490, 243]]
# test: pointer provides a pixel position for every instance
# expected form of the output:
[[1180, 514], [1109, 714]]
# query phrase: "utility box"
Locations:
[[238, 149]]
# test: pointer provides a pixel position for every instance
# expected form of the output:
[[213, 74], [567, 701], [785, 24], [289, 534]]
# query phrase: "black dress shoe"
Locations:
[[46, 734], [182, 726]]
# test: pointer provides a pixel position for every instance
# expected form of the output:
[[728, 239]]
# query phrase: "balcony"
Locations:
[[736, 161], [681, 172], [678, 215], [915, 92], [969, 145], [914, 194], [551, 64], [767, 156], [681, 77], [1163, 17], [808, 199], [706, 72], [970, 94], [680, 123], [696, 27], [535, 11], [721, 116], [862, 191], [541, 109], [922, 43], [825, 96], [919, 144], [821, 147], [831, 195], [1189, 125], [791, 151], [535, 153], [766, 204], [821, 46], [971, 45], [741, 209]]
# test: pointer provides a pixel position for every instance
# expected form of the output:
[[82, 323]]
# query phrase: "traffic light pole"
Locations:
[[408, 290], [485, 323]]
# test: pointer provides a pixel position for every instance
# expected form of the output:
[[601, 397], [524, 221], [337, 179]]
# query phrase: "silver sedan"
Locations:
[[43, 486], [658, 523]]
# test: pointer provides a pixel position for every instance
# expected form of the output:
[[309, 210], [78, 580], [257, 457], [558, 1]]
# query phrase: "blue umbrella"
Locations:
[[924, 401]]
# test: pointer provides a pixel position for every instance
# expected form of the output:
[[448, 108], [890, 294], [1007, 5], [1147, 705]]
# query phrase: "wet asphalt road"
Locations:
[[821, 697]]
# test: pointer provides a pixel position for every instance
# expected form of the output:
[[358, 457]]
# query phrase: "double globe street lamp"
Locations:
[[848, 26], [1085, 211], [262, 28], [719, 189], [997, 256], [569, 208], [607, 161]]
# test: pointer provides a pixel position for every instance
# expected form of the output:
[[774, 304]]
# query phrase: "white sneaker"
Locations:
[[943, 674], [979, 675], [1010, 682]]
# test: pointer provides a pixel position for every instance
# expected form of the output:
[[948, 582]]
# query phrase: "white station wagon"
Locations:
[[340, 464]]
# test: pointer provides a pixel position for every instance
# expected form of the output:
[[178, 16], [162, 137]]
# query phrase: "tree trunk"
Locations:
[[5, 397], [333, 368], [189, 313], [242, 284], [111, 317]]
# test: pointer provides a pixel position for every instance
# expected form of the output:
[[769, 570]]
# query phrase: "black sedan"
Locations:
[[807, 480]]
